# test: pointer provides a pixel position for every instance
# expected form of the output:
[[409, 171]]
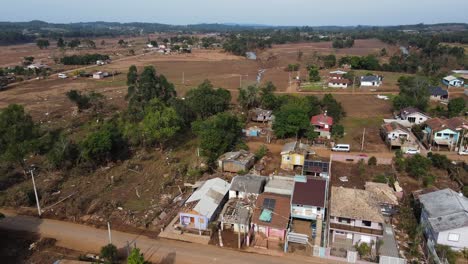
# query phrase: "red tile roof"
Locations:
[[321, 119], [310, 193]]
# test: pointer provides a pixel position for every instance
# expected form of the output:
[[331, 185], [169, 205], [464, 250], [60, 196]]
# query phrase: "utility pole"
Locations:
[[354, 83], [363, 137], [109, 231], [35, 193], [183, 77]]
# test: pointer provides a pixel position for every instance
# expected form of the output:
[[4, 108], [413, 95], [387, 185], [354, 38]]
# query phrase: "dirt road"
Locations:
[[88, 239]]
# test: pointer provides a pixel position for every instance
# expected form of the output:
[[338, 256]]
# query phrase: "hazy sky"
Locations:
[[272, 12]]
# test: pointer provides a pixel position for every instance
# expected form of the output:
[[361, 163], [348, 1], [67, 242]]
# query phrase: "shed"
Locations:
[[236, 161]]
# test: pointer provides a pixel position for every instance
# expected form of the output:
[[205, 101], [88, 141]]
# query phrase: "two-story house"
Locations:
[[293, 154], [444, 217], [396, 136], [355, 216], [445, 132], [322, 124]]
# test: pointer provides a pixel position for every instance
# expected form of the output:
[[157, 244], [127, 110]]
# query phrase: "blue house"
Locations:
[[447, 133]]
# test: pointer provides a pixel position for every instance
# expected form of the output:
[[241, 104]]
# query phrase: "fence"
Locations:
[[357, 158]]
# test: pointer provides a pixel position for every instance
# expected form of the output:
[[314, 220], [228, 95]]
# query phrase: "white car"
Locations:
[[62, 76], [463, 152], [342, 148], [412, 151]]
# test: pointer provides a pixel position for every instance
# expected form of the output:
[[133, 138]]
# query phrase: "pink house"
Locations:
[[271, 215]]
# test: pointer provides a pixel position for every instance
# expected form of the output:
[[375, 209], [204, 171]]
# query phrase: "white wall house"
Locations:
[[444, 217], [371, 81], [453, 81]]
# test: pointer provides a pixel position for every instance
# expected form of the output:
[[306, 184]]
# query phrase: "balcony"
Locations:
[[357, 229]]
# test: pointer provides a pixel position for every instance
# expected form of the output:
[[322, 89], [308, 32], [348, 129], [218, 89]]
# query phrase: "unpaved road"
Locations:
[[88, 239]]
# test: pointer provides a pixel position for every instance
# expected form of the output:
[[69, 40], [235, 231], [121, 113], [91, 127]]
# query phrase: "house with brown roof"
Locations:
[[271, 216], [397, 136], [308, 199], [336, 79], [355, 216], [445, 132]]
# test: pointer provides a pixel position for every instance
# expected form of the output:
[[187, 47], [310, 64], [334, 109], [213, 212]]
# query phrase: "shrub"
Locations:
[[372, 161], [380, 178], [428, 180], [109, 253], [261, 152]]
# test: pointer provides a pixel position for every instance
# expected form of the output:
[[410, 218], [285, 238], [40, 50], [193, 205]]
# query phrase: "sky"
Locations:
[[267, 12]]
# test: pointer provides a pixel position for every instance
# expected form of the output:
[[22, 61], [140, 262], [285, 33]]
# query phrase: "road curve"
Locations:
[[88, 239]]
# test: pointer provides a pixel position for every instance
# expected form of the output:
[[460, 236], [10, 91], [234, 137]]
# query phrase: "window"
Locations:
[[366, 223], [344, 220], [453, 237], [439, 134]]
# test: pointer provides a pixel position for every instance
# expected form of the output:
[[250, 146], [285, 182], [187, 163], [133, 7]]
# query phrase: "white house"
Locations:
[[371, 81], [245, 186], [444, 217], [409, 117], [452, 81], [338, 83]]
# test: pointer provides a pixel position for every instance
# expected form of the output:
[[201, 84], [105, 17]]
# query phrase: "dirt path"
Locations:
[[88, 239]]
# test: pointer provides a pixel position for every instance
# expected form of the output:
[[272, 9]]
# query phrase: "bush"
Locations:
[[372, 161], [380, 178], [428, 180], [109, 253], [83, 59], [261, 152], [439, 161]]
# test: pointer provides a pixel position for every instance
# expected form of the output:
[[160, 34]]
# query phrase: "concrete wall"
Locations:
[[194, 221], [305, 212], [462, 233]]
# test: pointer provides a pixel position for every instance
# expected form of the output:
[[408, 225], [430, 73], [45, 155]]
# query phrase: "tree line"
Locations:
[[86, 59]]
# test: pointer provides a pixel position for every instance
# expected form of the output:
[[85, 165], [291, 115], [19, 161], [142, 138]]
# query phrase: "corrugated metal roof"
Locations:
[[209, 196]]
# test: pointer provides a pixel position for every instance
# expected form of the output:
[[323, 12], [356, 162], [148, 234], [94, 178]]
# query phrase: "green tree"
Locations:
[[248, 97], [413, 92], [42, 43], [63, 153], [160, 124], [417, 166], [18, 134], [104, 144], [329, 61], [122, 43], [109, 253], [218, 134], [132, 76], [337, 131], [206, 101], [456, 106], [61, 43], [136, 257], [268, 99], [291, 120], [333, 107], [363, 249], [314, 75]]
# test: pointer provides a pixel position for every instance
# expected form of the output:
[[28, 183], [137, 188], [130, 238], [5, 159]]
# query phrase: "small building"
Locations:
[[384, 195], [101, 62], [323, 124], [371, 81], [308, 199], [100, 75], [271, 215], [236, 161], [293, 154], [452, 81], [316, 168], [438, 94], [38, 66], [204, 205], [413, 116], [247, 186], [355, 217], [251, 55], [444, 217], [261, 115], [397, 136], [236, 216], [280, 185], [254, 131]]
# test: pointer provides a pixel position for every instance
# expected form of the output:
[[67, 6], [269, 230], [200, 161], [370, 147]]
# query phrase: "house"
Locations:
[[339, 83], [245, 186], [371, 81], [438, 94], [236, 161], [254, 131], [409, 117], [293, 154], [452, 81], [261, 115], [38, 66], [204, 204], [280, 185], [444, 217], [308, 199], [397, 136], [322, 124], [336, 79], [236, 216], [355, 216], [384, 195], [271, 215], [307, 211], [444, 132], [316, 168]]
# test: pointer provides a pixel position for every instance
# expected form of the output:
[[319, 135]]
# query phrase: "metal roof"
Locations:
[[248, 184], [209, 196]]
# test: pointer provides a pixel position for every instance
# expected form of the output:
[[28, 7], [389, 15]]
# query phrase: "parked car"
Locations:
[[412, 151], [463, 152], [62, 76], [342, 148]]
